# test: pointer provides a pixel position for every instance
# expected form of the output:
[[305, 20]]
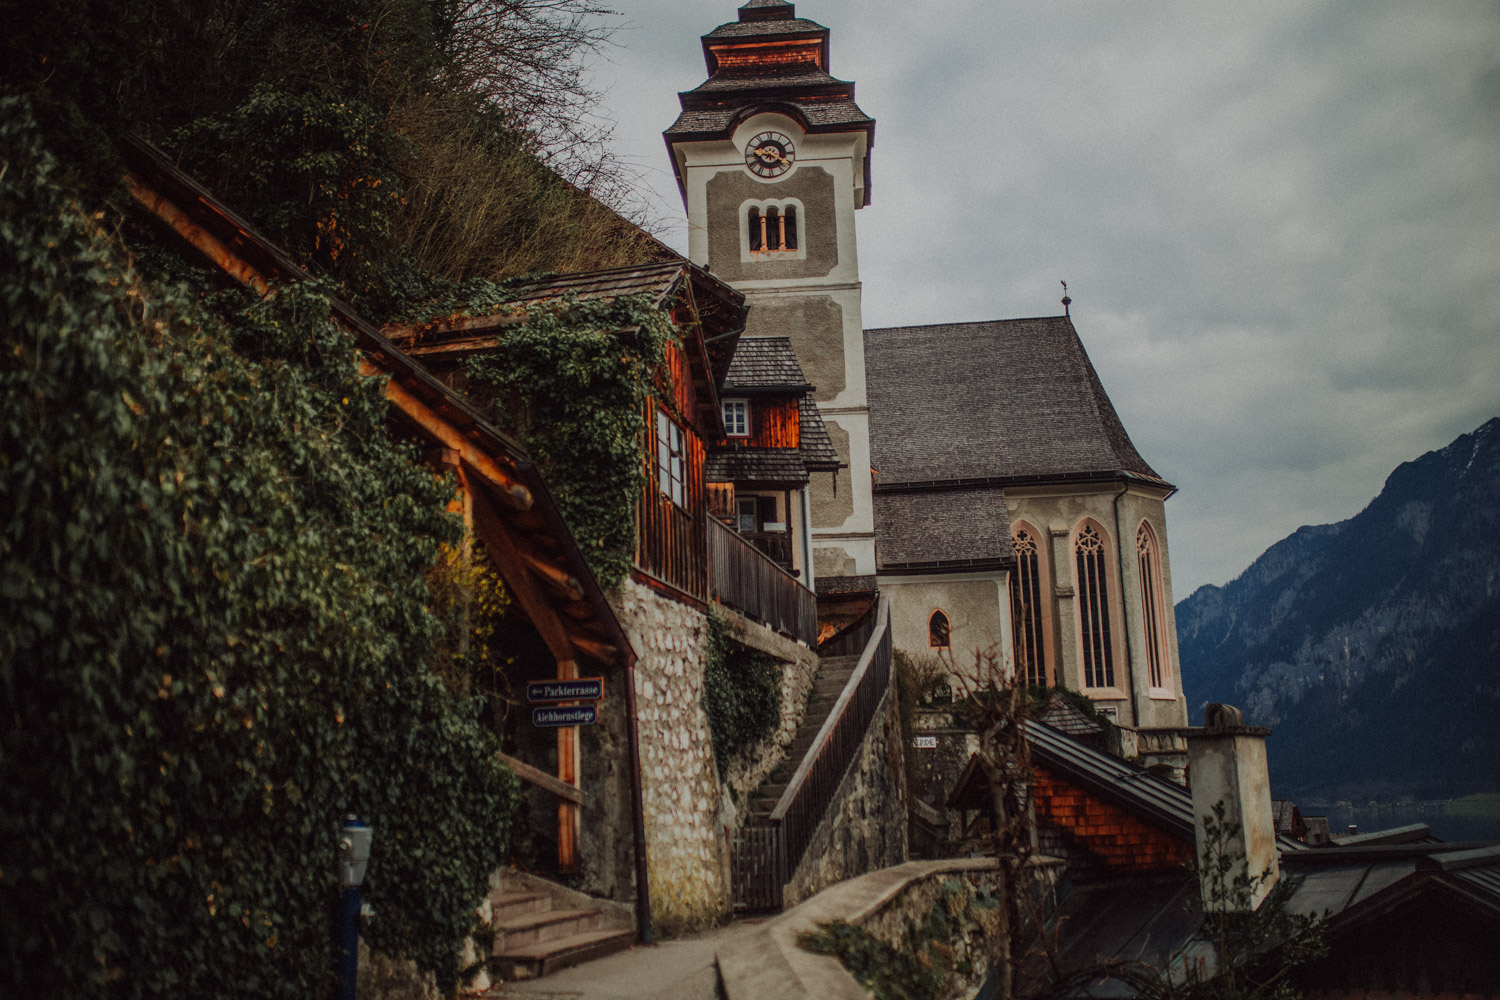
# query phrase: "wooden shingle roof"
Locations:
[[999, 402], [765, 363], [942, 530]]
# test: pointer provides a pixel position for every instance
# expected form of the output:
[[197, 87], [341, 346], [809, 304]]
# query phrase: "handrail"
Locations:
[[882, 622], [799, 620]]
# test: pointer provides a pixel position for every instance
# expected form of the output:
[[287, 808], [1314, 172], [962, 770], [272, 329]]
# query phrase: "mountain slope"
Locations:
[[1371, 646]]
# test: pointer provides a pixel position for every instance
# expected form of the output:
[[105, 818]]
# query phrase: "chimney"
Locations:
[[1227, 764]]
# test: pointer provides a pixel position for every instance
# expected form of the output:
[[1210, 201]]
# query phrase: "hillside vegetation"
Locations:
[[220, 634], [1371, 646]]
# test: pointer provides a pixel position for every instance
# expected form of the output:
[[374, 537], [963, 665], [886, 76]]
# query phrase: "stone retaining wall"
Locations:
[[866, 829], [686, 853]]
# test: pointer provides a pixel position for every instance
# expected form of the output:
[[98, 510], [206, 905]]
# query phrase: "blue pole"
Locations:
[[354, 855], [347, 937]]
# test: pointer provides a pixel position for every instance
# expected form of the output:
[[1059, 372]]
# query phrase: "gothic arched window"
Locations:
[[1153, 612], [939, 634], [1026, 607], [1091, 554]]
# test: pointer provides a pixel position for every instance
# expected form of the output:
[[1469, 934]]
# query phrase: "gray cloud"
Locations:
[[1280, 221]]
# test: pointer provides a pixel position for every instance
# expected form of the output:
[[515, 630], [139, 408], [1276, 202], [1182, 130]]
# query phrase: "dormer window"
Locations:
[[772, 229], [736, 418]]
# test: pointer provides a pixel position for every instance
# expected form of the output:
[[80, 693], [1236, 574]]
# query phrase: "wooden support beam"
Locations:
[[506, 486], [164, 209], [568, 753], [507, 559], [601, 651], [544, 781], [559, 579]]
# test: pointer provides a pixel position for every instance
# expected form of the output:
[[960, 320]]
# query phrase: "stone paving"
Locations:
[[680, 969]]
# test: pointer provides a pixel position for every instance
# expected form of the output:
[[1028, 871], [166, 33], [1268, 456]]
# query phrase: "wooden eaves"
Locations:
[[515, 514]]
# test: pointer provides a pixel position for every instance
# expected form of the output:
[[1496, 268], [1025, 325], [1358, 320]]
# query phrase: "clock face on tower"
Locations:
[[769, 154]]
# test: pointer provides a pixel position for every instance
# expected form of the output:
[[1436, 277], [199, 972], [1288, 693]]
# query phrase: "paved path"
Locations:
[[681, 969]]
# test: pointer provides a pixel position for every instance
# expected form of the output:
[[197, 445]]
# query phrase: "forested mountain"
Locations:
[[1371, 646]]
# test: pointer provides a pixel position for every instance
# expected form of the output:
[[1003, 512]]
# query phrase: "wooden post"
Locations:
[[567, 773]]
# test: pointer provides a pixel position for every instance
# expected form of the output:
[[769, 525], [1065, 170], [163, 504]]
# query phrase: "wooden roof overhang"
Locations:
[[515, 515], [709, 314]]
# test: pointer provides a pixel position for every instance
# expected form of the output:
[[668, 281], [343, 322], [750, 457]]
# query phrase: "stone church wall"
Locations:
[[867, 828], [687, 857]]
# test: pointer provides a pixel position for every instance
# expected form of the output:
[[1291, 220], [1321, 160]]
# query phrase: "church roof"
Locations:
[[942, 530], [1003, 402]]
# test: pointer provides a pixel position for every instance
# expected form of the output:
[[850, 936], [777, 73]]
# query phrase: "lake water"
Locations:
[[1383, 816]]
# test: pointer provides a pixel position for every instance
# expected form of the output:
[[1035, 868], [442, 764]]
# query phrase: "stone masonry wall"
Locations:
[[866, 829], [687, 857]]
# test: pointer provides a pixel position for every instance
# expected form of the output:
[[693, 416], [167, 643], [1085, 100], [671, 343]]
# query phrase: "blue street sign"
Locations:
[[550, 718], [581, 689]]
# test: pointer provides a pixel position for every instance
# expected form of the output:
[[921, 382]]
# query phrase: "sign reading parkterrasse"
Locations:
[[575, 715], [581, 689]]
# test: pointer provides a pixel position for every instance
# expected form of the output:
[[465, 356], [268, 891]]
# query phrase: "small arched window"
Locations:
[[772, 228], [1091, 555], [939, 634], [1026, 607], [1153, 613]]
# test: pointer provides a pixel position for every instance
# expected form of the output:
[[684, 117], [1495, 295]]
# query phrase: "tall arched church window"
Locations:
[[939, 634], [1153, 612], [1091, 554], [1026, 607]]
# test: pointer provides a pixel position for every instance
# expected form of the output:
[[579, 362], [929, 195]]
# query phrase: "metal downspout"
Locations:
[[637, 809]]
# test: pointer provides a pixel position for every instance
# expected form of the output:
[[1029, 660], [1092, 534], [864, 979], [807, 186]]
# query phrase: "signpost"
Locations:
[[581, 689], [572, 715]]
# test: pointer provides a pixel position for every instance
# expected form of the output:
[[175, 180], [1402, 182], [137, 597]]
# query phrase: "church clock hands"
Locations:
[[769, 154]]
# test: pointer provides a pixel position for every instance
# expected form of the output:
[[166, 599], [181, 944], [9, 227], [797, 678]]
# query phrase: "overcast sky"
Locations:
[[1279, 221]]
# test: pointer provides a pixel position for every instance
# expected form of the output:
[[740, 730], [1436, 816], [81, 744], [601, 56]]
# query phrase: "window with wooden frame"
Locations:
[[1026, 608], [1153, 610], [939, 631], [1095, 625], [772, 228], [737, 418], [670, 461]]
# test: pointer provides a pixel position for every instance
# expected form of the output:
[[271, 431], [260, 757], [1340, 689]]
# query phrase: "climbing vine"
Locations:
[[741, 695], [212, 559], [575, 383]]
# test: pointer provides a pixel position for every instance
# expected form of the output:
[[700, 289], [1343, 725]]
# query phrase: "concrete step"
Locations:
[[541, 928], [531, 961], [510, 905]]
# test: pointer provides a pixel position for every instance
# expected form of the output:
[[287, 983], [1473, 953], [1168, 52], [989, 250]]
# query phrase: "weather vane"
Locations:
[[1066, 301]]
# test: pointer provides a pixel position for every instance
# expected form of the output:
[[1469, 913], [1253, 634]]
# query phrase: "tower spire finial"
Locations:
[[1066, 301]]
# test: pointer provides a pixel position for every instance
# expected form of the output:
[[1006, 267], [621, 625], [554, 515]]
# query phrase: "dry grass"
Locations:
[[480, 204]]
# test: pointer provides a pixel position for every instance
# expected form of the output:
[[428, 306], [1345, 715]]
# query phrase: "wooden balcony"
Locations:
[[746, 579]]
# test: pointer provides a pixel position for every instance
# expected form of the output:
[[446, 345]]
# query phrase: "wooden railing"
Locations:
[[669, 543], [852, 638], [747, 580], [810, 792]]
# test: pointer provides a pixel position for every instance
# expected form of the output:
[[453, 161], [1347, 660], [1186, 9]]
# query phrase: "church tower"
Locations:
[[772, 156]]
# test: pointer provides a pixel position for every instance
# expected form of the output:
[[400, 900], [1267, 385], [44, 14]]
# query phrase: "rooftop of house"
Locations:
[[762, 363], [942, 531], [1003, 402]]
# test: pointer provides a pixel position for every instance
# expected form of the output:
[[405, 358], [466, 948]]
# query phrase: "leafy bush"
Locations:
[[575, 384], [212, 563], [741, 695]]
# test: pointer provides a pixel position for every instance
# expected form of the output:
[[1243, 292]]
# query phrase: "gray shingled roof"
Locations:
[[800, 77], [719, 121], [999, 400], [777, 466], [765, 363], [766, 27], [816, 446], [941, 529]]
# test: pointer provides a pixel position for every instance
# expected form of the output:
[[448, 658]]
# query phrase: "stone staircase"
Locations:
[[833, 674], [533, 937]]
